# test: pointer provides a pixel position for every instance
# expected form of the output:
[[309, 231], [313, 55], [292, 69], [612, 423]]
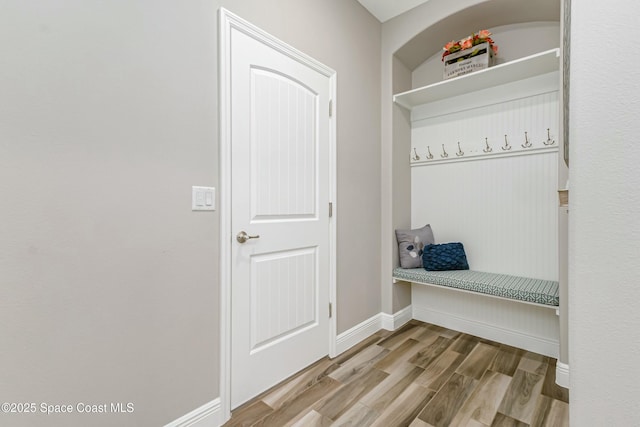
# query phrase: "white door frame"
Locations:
[[228, 21]]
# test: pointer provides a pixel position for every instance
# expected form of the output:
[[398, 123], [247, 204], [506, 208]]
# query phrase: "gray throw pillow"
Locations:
[[411, 244]]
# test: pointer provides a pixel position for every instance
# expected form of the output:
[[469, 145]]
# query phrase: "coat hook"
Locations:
[[549, 141], [488, 149], [444, 154], [506, 147], [526, 144], [430, 156], [460, 153], [415, 156]]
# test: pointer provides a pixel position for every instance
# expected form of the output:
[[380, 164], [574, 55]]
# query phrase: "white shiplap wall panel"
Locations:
[[502, 209], [532, 114], [503, 205]]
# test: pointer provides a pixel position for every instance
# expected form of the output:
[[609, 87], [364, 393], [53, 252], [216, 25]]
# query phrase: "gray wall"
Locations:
[[604, 232], [107, 118], [401, 296]]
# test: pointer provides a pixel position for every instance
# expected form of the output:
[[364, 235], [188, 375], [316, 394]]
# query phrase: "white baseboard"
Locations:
[[353, 336], [358, 333], [562, 374], [208, 415], [391, 322], [513, 338]]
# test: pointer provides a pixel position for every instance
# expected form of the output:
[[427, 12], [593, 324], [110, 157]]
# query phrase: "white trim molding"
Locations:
[[358, 333], [499, 333], [391, 322], [526, 326], [365, 329], [207, 415], [562, 374]]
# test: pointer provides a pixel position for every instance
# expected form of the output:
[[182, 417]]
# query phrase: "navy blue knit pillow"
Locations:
[[447, 256]]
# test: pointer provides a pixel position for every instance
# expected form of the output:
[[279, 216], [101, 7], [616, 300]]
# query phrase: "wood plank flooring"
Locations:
[[419, 376]]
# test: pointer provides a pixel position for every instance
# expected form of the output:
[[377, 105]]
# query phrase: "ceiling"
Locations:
[[387, 9]]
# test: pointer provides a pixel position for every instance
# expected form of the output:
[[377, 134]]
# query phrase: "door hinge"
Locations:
[[330, 310], [330, 209], [331, 108]]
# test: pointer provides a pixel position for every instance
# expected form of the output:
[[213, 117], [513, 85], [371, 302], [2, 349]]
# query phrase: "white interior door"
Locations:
[[280, 177]]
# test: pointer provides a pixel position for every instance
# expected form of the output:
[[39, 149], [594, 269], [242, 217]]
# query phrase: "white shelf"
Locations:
[[523, 68]]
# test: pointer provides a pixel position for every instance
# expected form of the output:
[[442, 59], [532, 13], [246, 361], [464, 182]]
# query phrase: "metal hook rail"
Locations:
[[485, 149]]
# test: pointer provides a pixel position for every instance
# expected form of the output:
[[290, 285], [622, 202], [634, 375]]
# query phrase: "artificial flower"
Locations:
[[482, 36], [466, 43]]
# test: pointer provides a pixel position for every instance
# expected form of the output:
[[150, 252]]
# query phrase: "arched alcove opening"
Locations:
[[520, 28], [457, 24]]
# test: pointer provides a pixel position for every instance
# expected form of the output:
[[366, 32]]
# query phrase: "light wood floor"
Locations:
[[420, 376]]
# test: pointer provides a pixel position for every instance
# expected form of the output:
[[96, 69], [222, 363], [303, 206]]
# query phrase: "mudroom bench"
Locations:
[[517, 311]]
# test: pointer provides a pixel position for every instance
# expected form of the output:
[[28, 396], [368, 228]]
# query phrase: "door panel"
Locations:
[[280, 194], [285, 147], [284, 288]]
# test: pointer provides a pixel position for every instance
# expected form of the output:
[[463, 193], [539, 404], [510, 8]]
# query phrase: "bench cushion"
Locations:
[[502, 285]]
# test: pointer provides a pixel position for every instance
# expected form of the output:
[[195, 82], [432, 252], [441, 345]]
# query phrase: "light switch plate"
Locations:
[[203, 198]]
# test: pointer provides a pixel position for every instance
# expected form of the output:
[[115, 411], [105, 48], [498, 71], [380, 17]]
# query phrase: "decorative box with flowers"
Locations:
[[470, 54]]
